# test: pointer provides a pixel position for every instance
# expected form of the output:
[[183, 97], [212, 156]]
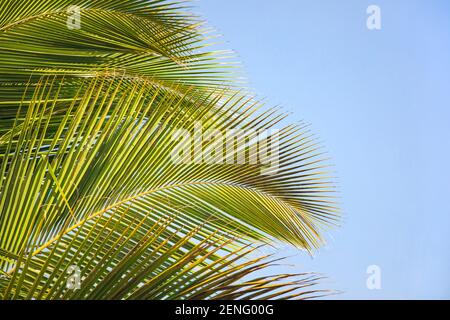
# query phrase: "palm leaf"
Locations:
[[87, 178], [120, 263]]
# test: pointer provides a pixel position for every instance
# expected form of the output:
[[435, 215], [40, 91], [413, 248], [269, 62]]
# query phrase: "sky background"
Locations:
[[380, 102]]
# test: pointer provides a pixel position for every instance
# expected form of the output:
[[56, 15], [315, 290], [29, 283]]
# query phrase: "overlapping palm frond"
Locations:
[[145, 38], [87, 178], [121, 260], [156, 40]]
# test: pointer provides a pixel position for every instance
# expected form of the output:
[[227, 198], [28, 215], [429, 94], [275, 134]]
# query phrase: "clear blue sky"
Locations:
[[380, 101]]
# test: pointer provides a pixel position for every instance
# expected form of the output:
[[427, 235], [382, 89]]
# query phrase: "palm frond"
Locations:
[[153, 39], [118, 261], [113, 147], [89, 122]]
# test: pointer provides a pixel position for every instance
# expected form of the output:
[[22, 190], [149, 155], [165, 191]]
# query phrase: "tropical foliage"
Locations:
[[87, 120]]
